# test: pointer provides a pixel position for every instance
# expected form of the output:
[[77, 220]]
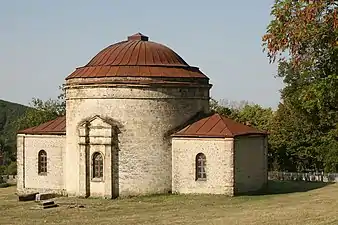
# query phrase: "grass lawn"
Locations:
[[287, 203]]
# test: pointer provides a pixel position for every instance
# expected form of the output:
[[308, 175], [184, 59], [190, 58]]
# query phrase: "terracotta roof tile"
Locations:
[[217, 126], [57, 126]]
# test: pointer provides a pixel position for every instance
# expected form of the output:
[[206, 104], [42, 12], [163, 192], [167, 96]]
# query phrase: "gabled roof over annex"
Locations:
[[53, 127], [217, 126]]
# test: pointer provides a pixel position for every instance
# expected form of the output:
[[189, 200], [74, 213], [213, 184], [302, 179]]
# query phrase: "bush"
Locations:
[[4, 185], [2, 170], [11, 169]]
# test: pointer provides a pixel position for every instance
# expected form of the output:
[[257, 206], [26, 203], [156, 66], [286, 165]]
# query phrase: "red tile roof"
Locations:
[[57, 126], [137, 57], [217, 126]]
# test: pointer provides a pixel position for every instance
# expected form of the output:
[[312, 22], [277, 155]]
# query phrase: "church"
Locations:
[[138, 123]]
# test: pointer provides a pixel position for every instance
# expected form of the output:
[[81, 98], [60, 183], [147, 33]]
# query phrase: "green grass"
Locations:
[[288, 203]]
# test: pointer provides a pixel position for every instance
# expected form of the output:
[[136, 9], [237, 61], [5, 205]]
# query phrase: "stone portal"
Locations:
[[98, 165]]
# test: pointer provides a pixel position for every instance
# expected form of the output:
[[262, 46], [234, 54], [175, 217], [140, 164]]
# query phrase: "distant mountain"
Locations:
[[9, 113]]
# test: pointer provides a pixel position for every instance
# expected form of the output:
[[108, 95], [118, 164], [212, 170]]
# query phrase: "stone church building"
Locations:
[[137, 123]]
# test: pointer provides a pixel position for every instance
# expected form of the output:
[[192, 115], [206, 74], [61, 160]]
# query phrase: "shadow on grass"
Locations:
[[286, 187], [5, 185]]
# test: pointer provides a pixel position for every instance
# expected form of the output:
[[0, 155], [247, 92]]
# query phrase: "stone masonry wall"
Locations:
[[251, 173], [28, 179], [145, 115], [219, 165]]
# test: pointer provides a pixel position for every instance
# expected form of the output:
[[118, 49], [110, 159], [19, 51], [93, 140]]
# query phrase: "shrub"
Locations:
[[11, 169], [4, 185]]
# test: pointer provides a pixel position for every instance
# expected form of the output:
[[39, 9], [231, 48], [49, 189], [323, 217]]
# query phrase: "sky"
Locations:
[[42, 42]]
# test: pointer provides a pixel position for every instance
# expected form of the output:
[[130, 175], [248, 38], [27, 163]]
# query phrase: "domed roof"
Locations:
[[137, 57]]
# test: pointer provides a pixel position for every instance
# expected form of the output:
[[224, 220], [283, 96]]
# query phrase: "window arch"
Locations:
[[97, 165], [200, 167], [42, 162]]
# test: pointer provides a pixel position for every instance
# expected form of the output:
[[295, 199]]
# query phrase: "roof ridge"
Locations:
[[232, 128], [207, 119], [226, 125], [215, 123]]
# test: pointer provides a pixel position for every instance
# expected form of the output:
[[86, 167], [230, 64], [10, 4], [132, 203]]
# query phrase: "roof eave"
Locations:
[[251, 134], [199, 136], [41, 133]]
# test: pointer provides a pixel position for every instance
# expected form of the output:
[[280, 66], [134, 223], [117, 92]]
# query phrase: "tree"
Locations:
[[244, 112], [6, 150], [217, 108], [256, 116], [303, 39], [42, 111]]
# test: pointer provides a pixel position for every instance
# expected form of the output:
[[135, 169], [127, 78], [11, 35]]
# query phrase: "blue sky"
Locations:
[[43, 41]]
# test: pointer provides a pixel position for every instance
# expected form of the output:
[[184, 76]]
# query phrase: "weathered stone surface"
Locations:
[[219, 165], [44, 196], [27, 163], [251, 172], [141, 157], [130, 127]]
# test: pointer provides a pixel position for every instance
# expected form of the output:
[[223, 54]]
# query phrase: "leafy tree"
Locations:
[[256, 116], [7, 151], [11, 169], [42, 111], [244, 112], [303, 39], [217, 108]]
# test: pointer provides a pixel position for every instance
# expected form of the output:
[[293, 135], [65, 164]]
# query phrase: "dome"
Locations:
[[137, 57]]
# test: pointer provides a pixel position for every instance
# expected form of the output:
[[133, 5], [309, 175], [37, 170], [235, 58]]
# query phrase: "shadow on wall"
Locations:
[[286, 187]]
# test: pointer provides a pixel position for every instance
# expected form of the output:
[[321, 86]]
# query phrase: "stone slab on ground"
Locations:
[[50, 206], [44, 196], [28, 197], [45, 205]]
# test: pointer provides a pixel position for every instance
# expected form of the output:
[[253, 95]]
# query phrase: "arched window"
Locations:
[[200, 167], [42, 162], [97, 165]]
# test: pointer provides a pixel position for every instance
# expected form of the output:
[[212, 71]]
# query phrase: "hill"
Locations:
[[9, 113]]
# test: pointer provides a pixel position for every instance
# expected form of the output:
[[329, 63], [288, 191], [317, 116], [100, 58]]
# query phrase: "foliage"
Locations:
[[308, 32], [303, 39], [11, 169], [244, 112], [223, 110], [42, 111], [294, 144], [4, 185], [14, 117], [9, 112], [2, 171]]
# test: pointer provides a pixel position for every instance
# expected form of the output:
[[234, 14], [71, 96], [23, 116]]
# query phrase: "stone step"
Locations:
[[45, 203], [50, 206], [44, 196]]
